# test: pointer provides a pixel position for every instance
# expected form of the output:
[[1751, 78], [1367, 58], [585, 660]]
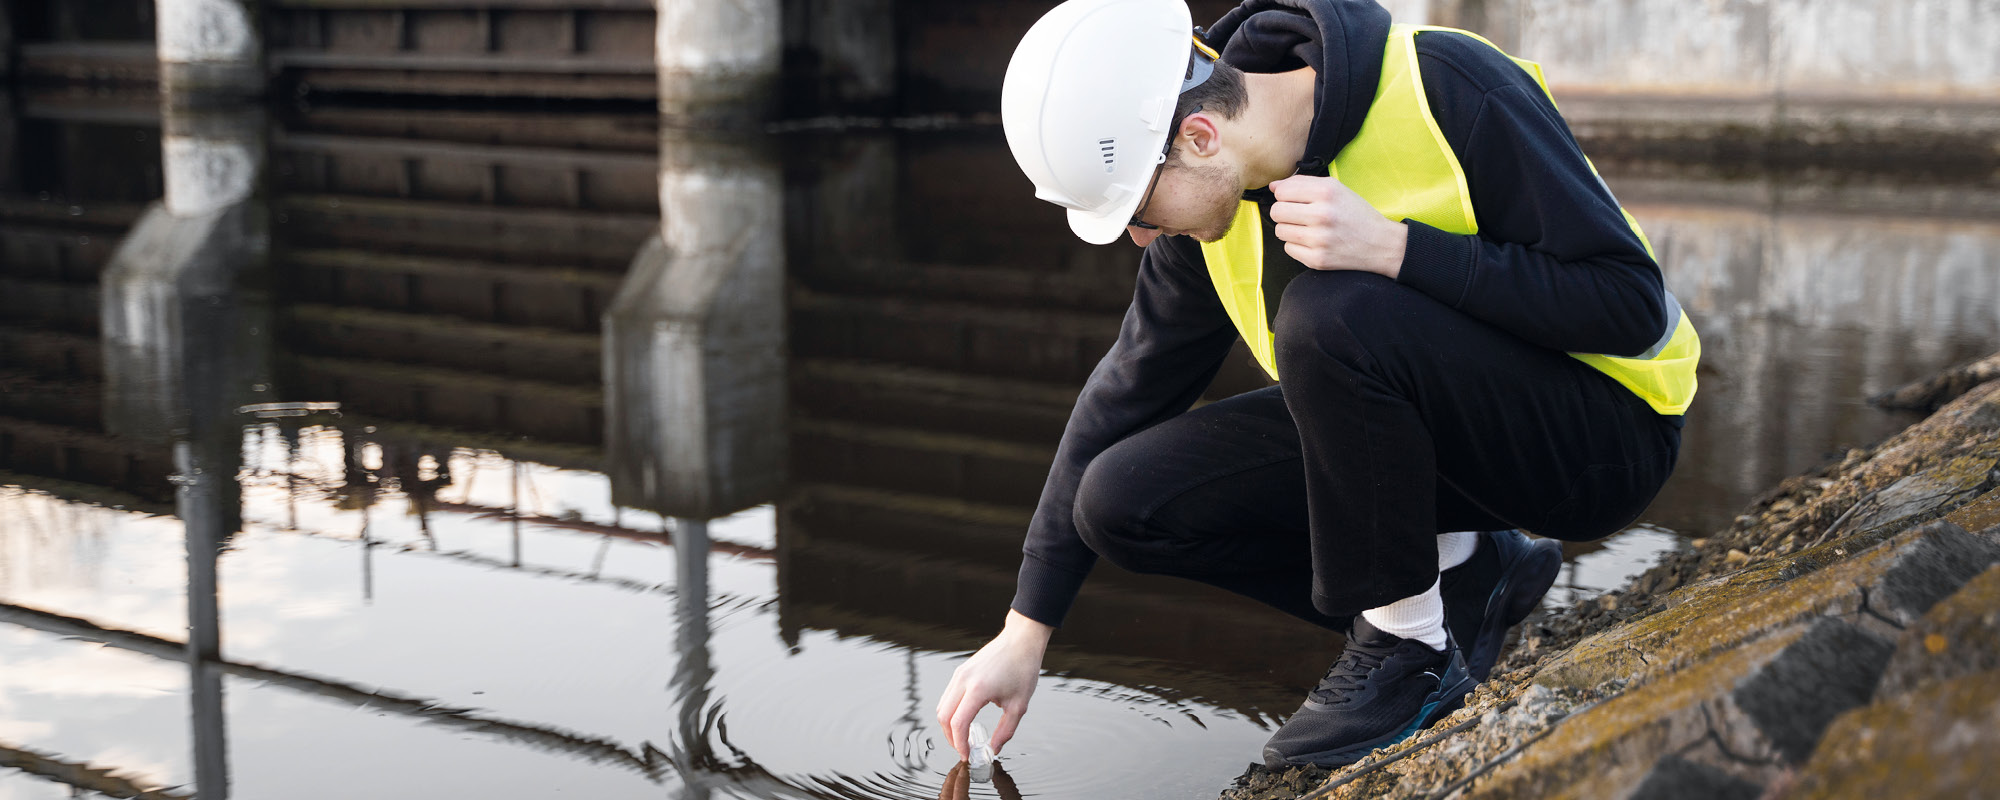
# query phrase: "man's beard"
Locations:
[[1218, 189]]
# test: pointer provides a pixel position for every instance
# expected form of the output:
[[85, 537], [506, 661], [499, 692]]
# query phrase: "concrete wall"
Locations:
[[1909, 75]]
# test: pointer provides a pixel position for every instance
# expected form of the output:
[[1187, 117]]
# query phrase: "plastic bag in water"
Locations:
[[980, 763]]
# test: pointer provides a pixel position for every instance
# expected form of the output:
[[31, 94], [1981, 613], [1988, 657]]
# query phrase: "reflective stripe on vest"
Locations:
[[1401, 164]]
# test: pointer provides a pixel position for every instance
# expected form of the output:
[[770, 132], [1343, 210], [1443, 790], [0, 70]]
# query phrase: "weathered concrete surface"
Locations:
[[1857, 75], [718, 59], [1891, 584], [1927, 395], [1730, 720], [211, 48], [1936, 742], [1957, 637]]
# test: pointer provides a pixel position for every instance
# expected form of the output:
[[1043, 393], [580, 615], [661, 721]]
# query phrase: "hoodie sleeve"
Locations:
[[1554, 261], [1174, 338]]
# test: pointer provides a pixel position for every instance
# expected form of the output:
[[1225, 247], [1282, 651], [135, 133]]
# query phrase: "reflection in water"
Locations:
[[545, 441]]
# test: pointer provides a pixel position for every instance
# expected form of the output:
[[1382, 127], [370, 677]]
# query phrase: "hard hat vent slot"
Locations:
[[1109, 147]]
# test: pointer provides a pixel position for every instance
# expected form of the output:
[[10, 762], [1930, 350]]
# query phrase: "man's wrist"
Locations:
[[1021, 626], [1395, 244]]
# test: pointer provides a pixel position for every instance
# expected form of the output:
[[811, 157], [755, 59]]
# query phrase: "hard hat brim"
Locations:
[[1104, 228]]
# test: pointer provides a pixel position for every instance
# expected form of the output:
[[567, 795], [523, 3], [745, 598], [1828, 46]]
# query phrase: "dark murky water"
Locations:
[[451, 587]]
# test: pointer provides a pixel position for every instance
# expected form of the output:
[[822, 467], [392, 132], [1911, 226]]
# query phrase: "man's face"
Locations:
[[1197, 201]]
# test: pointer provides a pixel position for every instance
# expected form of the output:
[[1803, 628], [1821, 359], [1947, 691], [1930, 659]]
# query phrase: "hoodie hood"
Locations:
[[1342, 40]]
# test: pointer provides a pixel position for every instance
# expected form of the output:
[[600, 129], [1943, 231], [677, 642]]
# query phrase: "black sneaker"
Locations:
[[1500, 585], [1382, 689]]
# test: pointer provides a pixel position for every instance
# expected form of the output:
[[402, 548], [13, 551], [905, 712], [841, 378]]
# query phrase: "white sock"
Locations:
[[1456, 548], [1420, 618]]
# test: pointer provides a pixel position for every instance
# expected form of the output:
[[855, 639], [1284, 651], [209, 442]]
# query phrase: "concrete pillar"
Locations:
[[211, 49], [718, 61], [694, 360], [840, 57]]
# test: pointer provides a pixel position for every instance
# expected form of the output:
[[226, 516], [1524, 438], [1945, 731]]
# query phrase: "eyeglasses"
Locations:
[[1147, 199], [1199, 73]]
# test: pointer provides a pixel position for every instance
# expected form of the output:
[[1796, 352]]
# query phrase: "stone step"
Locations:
[[432, 340], [1735, 682], [76, 404], [55, 252], [86, 456], [1935, 743], [453, 399], [582, 239], [1116, 614], [1869, 582], [955, 467], [1105, 286], [1725, 727], [515, 177], [1021, 411], [565, 298], [52, 354], [1045, 345], [67, 307]]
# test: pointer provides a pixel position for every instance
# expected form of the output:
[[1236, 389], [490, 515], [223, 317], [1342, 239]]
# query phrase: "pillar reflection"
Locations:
[[694, 363], [185, 343]]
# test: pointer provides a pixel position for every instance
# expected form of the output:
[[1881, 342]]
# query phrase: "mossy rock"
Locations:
[[1733, 720], [1880, 586], [1958, 636], [1936, 742]]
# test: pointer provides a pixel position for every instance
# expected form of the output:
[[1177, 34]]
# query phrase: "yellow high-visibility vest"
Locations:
[[1401, 164]]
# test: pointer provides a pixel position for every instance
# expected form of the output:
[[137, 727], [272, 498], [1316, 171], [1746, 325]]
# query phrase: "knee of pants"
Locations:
[[1332, 314], [1110, 512]]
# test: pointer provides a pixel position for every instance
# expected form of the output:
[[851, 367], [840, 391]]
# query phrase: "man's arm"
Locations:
[[1174, 339], [1554, 261]]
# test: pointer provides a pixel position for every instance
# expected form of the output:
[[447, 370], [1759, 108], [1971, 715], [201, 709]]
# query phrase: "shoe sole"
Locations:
[[1524, 580], [1445, 702]]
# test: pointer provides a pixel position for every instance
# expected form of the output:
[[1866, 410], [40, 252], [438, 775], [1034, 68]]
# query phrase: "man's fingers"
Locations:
[[1010, 718], [1300, 189], [1290, 232], [1303, 254], [961, 724], [1293, 212], [1289, 190], [948, 704]]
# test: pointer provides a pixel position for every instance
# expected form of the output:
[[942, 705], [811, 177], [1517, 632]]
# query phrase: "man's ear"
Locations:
[[1199, 137]]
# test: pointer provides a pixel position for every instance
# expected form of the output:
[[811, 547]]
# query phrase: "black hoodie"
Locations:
[[1554, 262]]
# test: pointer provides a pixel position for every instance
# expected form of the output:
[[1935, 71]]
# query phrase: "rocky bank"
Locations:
[[1840, 639]]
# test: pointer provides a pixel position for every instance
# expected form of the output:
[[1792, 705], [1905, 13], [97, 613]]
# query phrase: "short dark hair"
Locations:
[[1223, 93]]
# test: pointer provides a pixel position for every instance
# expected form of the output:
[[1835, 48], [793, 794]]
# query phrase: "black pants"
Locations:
[[1398, 418]]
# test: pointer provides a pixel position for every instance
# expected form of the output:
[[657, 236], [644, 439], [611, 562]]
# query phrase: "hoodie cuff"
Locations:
[[1437, 263], [1044, 592]]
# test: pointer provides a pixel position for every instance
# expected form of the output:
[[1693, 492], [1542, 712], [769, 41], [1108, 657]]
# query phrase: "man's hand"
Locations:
[[1325, 225], [1002, 673]]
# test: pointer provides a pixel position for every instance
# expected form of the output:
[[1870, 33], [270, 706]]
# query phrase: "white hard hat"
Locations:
[[1087, 102]]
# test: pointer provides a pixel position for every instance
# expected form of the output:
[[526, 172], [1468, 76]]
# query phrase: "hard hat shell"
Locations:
[[1087, 102]]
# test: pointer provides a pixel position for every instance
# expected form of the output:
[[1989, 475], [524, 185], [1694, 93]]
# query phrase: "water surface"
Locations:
[[448, 588]]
